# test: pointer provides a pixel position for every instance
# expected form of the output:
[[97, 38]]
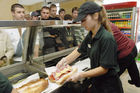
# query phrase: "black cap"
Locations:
[[89, 7], [34, 13]]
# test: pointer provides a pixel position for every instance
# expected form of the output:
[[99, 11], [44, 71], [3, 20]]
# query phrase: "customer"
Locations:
[[74, 12], [27, 17], [5, 86], [68, 17], [61, 14], [100, 47], [53, 10], [45, 13], [79, 32], [48, 32], [40, 40], [66, 33], [18, 13], [34, 15]]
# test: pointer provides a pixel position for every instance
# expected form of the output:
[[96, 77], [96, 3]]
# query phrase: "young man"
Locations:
[[61, 14], [53, 10], [45, 13], [34, 15], [74, 12], [18, 12]]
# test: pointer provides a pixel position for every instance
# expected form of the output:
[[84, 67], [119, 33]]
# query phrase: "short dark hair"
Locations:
[[15, 6], [62, 9], [52, 6], [67, 17], [74, 9], [45, 7]]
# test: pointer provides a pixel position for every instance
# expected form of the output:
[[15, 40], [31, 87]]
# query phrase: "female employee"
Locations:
[[100, 47]]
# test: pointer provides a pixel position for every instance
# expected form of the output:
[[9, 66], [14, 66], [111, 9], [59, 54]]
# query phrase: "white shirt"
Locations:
[[6, 48], [14, 35]]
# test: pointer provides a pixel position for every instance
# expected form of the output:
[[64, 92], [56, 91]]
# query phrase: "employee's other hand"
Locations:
[[75, 77], [14, 91]]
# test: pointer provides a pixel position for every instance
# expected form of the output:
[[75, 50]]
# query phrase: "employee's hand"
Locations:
[[61, 63], [75, 77]]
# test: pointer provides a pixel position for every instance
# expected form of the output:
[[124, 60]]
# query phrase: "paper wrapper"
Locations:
[[80, 65], [33, 77]]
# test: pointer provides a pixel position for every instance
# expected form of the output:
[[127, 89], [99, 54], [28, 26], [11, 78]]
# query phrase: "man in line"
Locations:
[[18, 13], [61, 14], [53, 10], [74, 12], [34, 15], [45, 13]]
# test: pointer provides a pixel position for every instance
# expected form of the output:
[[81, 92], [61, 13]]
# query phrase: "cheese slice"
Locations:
[[63, 71]]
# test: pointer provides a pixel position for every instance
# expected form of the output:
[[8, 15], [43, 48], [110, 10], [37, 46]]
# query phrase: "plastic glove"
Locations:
[[62, 63], [75, 77]]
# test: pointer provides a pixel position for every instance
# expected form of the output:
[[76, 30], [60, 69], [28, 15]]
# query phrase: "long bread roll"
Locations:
[[34, 87], [61, 76]]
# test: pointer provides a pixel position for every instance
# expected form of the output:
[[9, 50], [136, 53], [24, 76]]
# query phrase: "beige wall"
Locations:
[[5, 6], [34, 7], [70, 4]]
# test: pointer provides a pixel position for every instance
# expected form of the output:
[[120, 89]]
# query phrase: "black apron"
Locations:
[[110, 84]]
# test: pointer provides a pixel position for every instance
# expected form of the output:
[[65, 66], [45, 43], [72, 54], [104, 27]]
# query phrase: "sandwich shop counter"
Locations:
[[41, 45]]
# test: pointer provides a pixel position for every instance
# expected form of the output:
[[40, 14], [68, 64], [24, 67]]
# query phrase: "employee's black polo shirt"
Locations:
[[102, 50]]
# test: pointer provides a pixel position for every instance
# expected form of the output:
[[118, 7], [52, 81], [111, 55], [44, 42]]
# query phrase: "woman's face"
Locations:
[[89, 22]]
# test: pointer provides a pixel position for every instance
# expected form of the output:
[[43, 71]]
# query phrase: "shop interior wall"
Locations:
[[70, 4], [5, 6], [33, 7]]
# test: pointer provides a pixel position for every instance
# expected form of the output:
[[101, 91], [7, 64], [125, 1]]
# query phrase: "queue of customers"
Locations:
[[15, 37], [50, 13]]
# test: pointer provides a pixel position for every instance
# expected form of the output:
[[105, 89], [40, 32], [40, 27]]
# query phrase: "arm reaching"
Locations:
[[95, 72], [68, 59], [91, 73]]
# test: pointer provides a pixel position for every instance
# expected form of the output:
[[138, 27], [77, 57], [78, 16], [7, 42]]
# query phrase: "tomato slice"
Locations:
[[52, 76]]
